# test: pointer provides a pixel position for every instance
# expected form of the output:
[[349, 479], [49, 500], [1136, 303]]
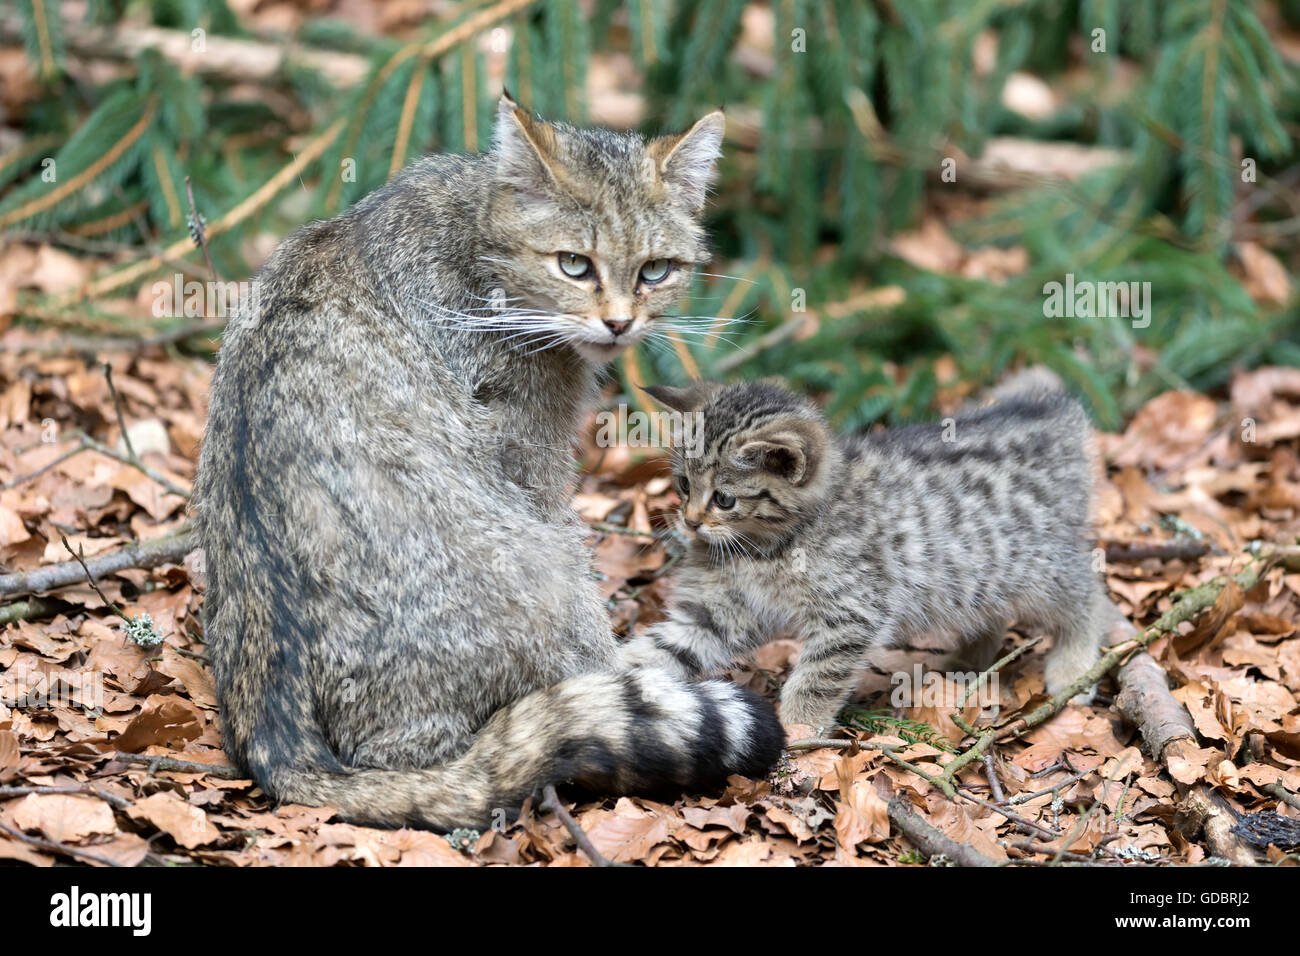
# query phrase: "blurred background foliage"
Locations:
[[901, 179]]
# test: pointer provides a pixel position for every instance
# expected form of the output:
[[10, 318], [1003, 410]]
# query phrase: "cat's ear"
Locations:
[[793, 453], [687, 163], [688, 398], [527, 151]]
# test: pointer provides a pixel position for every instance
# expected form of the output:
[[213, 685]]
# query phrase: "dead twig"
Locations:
[[117, 407], [29, 610], [995, 788], [80, 556], [86, 443], [139, 554], [956, 715], [929, 840], [819, 743], [1022, 824], [551, 803], [1057, 788], [160, 764], [83, 791], [1283, 794], [1131, 552], [122, 343]]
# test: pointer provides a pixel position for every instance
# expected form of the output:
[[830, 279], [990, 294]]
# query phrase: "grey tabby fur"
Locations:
[[872, 541], [401, 613]]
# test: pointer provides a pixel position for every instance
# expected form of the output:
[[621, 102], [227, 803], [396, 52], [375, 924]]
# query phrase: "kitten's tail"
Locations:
[[638, 731], [1035, 381]]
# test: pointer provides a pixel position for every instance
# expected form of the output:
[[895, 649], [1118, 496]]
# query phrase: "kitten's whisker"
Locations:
[[737, 319], [661, 335]]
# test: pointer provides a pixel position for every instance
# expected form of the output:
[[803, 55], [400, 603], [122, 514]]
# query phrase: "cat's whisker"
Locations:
[[668, 337], [723, 275], [480, 321], [705, 333], [733, 320], [557, 339]]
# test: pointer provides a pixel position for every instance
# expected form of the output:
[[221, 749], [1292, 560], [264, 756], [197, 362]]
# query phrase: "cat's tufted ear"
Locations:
[[527, 152], [793, 452], [688, 398], [687, 163]]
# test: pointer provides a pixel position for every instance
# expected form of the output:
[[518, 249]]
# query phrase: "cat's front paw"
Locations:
[[813, 721], [1085, 697], [1058, 681], [641, 653], [795, 732]]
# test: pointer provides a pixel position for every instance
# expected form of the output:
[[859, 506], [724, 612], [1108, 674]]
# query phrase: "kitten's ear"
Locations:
[[688, 398], [780, 454], [793, 452], [687, 163], [526, 150]]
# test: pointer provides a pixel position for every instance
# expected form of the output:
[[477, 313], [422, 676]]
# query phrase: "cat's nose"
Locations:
[[617, 326], [692, 523]]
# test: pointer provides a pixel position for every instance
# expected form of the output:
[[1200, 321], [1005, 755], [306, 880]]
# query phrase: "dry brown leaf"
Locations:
[[183, 822], [64, 818]]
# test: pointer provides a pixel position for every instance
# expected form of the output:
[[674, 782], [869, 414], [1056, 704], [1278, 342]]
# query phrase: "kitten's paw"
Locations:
[[1063, 671], [640, 653], [795, 732], [1085, 697], [1060, 684], [816, 720]]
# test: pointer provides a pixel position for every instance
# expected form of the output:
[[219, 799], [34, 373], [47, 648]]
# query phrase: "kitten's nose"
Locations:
[[692, 523], [617, 326]]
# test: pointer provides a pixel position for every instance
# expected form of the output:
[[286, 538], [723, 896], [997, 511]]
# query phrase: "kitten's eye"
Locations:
[[683, 487], [724, 501], [656, 270], [573, 265]]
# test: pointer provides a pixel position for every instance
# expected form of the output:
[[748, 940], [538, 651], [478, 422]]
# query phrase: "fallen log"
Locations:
[[929, 840], [1168, 733]]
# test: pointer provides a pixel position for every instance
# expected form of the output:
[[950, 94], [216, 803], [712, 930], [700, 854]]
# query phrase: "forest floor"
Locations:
[[1193, 481]]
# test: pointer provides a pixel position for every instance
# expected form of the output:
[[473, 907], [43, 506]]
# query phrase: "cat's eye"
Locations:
[[574, 266], [656, 270], [683, 487], [724, 501]]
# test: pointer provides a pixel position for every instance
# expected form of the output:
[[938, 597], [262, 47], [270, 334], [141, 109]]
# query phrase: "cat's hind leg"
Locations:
[[977, 649], [1079, 629]]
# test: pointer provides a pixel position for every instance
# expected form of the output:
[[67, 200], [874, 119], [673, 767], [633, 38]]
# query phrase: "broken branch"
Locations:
[[139, 554], [930, 841]]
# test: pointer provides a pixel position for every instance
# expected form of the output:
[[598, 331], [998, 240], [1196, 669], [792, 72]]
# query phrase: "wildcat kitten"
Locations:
[[401, 614], [874, 540]]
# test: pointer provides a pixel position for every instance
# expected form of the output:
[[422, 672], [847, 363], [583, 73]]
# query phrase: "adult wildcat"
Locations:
[[401, 615]]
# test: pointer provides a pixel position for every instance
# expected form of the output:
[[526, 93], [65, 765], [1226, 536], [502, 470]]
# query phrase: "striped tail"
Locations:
[[635, 732]]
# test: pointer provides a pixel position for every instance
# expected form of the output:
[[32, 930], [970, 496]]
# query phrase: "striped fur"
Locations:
[[400, 611], [871, 541]]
